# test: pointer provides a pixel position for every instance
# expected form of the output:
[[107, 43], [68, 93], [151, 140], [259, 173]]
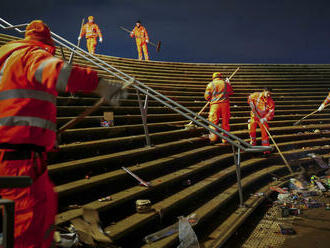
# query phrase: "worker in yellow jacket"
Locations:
[[217, 93], [91, 31], [141, 38], [262, 110]]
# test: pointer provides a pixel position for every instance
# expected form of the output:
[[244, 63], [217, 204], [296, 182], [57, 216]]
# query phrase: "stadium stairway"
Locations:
[[188, 175]]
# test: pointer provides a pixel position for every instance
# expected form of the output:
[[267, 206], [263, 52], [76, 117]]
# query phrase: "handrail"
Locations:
[[185, 112]]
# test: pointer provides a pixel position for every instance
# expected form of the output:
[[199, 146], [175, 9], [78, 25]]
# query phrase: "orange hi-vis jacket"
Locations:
[[140, 33], [327, 100], [218, 91], [91, 30], [264, 107], [30, 79]]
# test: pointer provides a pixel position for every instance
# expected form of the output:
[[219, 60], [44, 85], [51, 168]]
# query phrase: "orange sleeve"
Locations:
[[98, 31], [208, 92], [132, 34], [229, 89], [56, 75], [270, 109]]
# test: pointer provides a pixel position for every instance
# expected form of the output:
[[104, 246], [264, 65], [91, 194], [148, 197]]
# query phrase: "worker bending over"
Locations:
[[262, 110], [30, 80], [91, 31], [217, 93], [325, 102], [141, 38]]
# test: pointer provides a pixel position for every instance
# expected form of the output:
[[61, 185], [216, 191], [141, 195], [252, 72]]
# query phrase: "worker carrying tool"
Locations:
[[30, 79], [91, 31], [262, 110], [141, 38], [325, 102], [217, 93]]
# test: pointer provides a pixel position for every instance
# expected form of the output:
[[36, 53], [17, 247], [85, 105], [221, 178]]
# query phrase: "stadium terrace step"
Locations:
[[88, 164]]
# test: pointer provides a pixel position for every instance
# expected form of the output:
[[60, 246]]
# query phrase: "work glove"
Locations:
[[79, 38], [111, 91], [322, 106], [100, 39], [263, 120], [227, 80]]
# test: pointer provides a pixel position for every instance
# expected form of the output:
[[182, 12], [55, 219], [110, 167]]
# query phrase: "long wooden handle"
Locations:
[[278, 149], [90, 110], [296, 123], [233, 74], [207, 104]]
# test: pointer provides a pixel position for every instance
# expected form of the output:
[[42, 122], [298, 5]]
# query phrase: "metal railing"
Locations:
[[185, 112], [237, 143]]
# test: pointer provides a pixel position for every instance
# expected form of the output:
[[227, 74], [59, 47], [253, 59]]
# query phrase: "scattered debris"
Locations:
[[142, 182], [66, 240], [187, 236], [278, 189], [259, 194], [186, 182], [192, 219], [103, 199], [143, 206], [107, 120], [287, 230], [73, 206], [88, 228], [319, 160]]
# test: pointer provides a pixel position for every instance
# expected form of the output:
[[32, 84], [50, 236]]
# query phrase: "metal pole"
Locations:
[[8, 223], [62, 53], [78, 44], [237, 161], [143, 110]]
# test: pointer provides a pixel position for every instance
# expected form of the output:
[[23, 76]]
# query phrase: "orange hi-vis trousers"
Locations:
[[253, 122], [35, 206], [217, 111], [142, 46], [91, 45]]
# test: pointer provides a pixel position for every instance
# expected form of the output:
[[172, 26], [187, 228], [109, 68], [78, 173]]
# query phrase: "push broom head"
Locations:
[[158, 46]]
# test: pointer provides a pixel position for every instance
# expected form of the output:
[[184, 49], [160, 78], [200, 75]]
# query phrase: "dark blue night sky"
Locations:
[[231, 31]]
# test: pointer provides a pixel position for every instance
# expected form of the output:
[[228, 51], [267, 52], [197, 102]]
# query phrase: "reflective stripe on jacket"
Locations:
[[140, 33], [91, 30], [218, 91], [30, 79], [265, 107]]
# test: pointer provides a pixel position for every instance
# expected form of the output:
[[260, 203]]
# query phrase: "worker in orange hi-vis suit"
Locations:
[[141, 38], [325, 103], [30, 79], [262, 110], [91, 31], [217, 93]]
